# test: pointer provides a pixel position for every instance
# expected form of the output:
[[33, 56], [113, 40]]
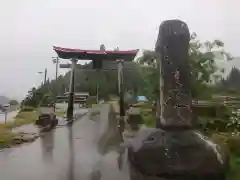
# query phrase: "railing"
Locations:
[[215, 103]]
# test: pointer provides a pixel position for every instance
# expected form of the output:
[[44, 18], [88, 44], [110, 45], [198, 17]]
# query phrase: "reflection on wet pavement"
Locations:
[[72, 153], [67, 153], [47, 141]]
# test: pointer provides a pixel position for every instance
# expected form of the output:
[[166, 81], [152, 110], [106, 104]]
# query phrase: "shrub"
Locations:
[[27, 109], [91, 100], [23, 118], [145, 105], [6, 137], [234, 173], [148, 119], [231, 144], [228, 141], [226, 120], [234, 145]]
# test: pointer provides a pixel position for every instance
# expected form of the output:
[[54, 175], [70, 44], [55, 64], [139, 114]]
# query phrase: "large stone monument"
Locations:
[[176, 150]]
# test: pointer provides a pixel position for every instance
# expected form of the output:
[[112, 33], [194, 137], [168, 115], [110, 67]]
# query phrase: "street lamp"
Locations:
[[45, 75]]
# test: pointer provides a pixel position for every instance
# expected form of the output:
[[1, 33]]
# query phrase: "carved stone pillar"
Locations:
[[176, 150]]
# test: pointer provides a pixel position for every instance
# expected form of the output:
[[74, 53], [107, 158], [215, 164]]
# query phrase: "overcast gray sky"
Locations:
[[29, 28]]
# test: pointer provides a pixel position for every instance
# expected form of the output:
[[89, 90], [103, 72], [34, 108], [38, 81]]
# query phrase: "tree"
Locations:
[[102, 47], [13, 102], [203, 62], [86, 81], [144, 79], [231, 84], [149, 73], [36, 95], [204, 69]]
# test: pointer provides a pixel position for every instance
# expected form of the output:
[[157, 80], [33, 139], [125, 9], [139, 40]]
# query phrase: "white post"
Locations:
[[5, 117]]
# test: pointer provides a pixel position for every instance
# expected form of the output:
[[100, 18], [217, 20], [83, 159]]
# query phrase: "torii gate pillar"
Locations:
[[71, 91]]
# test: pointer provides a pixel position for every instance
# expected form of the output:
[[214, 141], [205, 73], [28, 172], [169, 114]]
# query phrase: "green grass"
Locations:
[[234, 173], [60, 113], [21, 119], [148, 119], [231, 145], [94, 105], [6, 134], [6, 137], [147, 115]]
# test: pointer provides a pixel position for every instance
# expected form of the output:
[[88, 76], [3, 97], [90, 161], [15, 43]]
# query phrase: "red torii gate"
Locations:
[[102, 60]]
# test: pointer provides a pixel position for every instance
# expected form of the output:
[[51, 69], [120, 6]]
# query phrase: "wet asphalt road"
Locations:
[[67, 153]]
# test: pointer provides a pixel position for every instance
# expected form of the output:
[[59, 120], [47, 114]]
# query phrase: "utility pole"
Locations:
[[5, 113], [56, 61], [45, 76]]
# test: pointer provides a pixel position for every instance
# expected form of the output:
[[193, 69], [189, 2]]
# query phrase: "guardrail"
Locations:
[[215, 103]]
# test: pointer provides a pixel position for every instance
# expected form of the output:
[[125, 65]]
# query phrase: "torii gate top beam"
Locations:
[[67, 53]]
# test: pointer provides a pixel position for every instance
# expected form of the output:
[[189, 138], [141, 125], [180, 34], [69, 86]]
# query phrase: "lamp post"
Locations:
[[45, 75], [56, 62]]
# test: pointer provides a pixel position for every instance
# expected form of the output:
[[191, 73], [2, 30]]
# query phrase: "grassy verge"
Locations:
[[21, 119], [60, 113], [6, 134], [95, 105], [234, 173], [6, 137], [148, 119]]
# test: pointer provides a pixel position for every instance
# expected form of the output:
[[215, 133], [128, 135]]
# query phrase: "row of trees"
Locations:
[[143, 79], [203, 62]]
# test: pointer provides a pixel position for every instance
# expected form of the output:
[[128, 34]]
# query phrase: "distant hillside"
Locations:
[[4, 100], [87, 81]]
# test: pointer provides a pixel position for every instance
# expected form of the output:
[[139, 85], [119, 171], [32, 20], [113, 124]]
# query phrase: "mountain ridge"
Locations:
[[4, 100]]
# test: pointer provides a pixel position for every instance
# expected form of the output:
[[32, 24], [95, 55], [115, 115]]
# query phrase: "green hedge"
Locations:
[[231, 144]]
